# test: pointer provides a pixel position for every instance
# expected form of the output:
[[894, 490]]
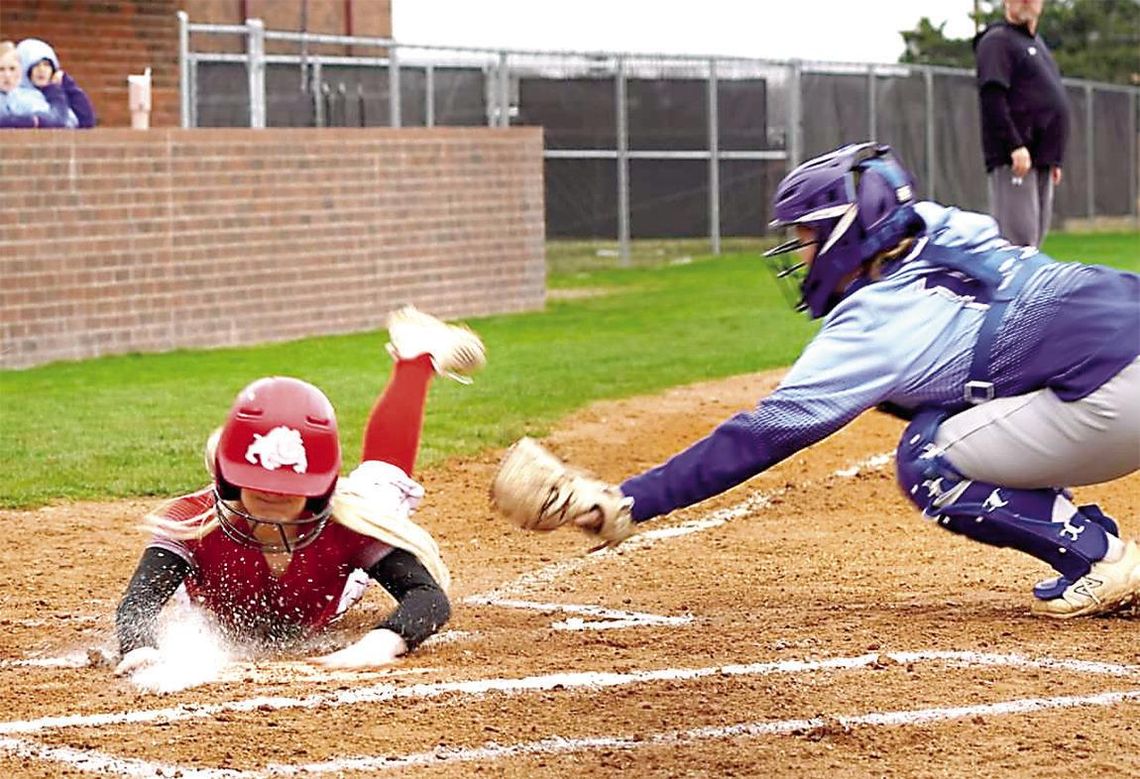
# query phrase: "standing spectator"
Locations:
[[1025, 122], [40, 70]]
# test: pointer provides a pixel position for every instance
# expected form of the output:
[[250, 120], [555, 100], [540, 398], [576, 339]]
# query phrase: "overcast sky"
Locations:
[[835, 30]]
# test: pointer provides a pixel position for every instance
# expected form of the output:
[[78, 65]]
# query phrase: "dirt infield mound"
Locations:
[[808, 623]]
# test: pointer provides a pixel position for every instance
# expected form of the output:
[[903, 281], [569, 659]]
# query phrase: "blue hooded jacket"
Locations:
[[54, 105]]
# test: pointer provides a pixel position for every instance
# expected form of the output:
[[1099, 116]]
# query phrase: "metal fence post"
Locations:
[[622, 162], [193, 90], [1134, 179], [931, 182], [872, 116], [794, 141], [429, 95], [394, 118], [504, 91], [255, 68], [184, 67], [494, 91], [1090, 152], [317, 92], [714, 160]]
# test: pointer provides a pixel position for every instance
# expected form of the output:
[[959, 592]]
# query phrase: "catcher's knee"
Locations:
[[1028, 520]]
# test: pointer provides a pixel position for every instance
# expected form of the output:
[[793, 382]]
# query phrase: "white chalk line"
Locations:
[[874, 462], [558, 745], [69, 660], [450, 637], [60, 620], [292, 672], [261, 671], [96, 762], [586, 680], [605, 618], [100, 762]]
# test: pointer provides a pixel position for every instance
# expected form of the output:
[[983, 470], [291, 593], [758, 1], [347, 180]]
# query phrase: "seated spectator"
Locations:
[[38, 112], [44, 83], [9, 68]]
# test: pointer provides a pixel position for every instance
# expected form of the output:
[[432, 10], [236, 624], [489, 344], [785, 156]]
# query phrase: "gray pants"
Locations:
[[1038, 440], [1022, 207]]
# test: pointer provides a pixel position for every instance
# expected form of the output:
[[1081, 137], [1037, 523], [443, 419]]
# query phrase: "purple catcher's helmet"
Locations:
[[858, 201]]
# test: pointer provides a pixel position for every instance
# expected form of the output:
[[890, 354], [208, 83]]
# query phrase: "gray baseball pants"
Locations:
[[1022, 207], [1038, 440]]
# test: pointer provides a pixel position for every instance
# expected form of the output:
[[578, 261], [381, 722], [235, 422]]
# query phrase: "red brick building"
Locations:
[[101, 42]]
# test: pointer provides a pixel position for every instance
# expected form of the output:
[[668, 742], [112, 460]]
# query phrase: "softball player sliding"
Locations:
[[271, 546], [1020, 377]]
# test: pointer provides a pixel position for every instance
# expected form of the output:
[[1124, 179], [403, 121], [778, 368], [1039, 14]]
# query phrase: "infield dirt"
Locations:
[[832, 564]]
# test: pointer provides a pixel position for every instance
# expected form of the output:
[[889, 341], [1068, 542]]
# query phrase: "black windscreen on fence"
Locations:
[[931, 120], [668, 197], [348, 96]]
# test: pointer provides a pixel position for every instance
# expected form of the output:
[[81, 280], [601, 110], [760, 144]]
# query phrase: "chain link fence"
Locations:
[[643, 150]]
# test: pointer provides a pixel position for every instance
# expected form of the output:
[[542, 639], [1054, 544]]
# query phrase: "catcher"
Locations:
[[1019, 376], [271, 546]]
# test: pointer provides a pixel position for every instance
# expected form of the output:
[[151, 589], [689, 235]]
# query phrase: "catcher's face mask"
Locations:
[[791, 262]]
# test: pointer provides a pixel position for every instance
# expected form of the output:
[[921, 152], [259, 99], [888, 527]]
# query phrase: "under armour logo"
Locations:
[[994, 501], [1032, 51], [933, 487], [929, 452], [1072, 531]]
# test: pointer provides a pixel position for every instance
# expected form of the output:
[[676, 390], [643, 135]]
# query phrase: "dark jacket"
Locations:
[[1023, 102]]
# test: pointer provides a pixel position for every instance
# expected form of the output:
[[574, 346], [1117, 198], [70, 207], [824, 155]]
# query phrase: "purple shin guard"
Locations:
[[996, 515], [1055, 587]]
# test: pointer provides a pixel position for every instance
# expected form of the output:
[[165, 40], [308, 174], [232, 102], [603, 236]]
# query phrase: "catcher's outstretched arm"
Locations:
[[718, 462], [848, 368]]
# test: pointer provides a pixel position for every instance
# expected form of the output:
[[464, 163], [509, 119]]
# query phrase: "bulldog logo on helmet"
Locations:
[[280, 446]]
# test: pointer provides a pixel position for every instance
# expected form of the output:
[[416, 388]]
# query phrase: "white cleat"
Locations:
[[1105, 588], [456, 352]]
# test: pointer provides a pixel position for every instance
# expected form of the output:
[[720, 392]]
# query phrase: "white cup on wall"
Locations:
[[138, 88]]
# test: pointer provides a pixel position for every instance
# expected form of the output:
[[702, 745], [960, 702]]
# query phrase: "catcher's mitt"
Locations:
[[537, 491]]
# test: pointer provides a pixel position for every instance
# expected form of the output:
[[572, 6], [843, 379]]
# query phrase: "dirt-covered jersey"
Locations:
[[236, 583]]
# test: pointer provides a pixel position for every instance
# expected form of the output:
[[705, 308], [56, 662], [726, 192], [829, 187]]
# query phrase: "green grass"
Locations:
[[134, 425], [572, 256], [1119, 250]]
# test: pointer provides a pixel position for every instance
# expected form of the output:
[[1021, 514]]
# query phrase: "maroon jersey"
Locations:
[[236, 584]]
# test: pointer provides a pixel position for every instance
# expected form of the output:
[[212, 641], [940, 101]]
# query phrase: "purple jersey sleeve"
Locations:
[[842, 373]]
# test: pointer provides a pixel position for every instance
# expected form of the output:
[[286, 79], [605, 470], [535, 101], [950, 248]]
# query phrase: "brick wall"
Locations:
[[118, 241], [366, 18]]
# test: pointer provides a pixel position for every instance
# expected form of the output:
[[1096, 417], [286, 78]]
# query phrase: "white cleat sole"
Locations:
[[1108, 587]]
